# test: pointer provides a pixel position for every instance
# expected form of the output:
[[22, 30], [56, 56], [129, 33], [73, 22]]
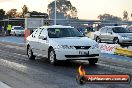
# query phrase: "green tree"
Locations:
[[24, 10], [12, 13], [109, 20], [125, 16], [2, 14], [109, 17], [64, 9]]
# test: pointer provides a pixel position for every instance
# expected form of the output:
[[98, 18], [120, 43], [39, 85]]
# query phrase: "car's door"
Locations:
[[103, 33], [34, 43], [32, 40], [43, 43], [110, 35]]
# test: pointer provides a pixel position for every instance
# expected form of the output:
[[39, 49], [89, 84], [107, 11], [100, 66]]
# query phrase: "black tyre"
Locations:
[[93, 61], [30, 54], [116, 41], [52, 57], [98, 40]]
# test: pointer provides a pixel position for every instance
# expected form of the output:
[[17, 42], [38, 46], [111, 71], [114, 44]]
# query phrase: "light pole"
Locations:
[[55, 14]]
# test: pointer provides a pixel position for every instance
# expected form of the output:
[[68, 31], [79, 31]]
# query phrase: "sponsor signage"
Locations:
[[108, 48]]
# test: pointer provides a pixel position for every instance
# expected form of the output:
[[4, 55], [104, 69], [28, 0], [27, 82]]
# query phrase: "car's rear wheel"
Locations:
[[30, 54], [98, 40], [116, 41], [93, 61], [52, 57]]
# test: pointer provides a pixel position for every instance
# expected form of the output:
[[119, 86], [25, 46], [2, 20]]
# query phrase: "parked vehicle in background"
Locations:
[[115, 34], [17, 30], [82, 30], [59, 42], [130, 28]]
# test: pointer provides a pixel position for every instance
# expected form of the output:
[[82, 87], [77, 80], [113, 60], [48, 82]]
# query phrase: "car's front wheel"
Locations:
[[30, 54], [52, 57], [98, 40], [93, 61], [116, 41]]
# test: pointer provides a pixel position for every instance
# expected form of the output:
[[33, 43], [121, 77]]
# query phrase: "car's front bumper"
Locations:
[[73, 54], [125, 41]]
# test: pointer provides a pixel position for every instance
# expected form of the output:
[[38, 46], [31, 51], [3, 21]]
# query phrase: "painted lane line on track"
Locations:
[[13, 65], [3, 85], [20, 67]]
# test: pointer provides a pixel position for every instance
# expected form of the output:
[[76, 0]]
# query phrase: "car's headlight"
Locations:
[[95, 46], [65, 47]]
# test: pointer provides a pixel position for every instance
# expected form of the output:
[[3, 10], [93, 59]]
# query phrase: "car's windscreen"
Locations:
[[63, 32], [18, 28], [121, 30]]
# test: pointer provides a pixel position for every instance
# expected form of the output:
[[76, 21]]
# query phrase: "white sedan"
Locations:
[[17, 30], [59, 42]]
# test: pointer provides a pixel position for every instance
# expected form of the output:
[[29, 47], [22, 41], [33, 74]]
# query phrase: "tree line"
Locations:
[[109, 17], [13, 13], [65, 10]]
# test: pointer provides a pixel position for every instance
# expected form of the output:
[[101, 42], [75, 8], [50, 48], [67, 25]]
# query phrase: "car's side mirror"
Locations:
[[43, 37]]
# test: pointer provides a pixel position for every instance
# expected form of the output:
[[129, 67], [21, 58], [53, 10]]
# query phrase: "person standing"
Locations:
[[9, 29], [0, 29]]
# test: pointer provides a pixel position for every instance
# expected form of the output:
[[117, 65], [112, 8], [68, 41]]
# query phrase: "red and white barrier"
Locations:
[[26, 34], [108, 48]]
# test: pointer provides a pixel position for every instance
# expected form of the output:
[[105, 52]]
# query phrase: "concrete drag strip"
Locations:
[[14, 54], [13, 39], [12, 46], [3, 85], [21, 76], [119, 69], [14, 65]]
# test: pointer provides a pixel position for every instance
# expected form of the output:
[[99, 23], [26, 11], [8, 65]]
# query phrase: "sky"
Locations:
[[87, 9]]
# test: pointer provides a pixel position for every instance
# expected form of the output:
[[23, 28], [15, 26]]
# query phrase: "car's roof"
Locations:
[[57, 26], [113, 26], [16, 26]]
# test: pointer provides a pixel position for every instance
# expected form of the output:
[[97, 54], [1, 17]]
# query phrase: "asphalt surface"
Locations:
[[18, 72], [12, 39]]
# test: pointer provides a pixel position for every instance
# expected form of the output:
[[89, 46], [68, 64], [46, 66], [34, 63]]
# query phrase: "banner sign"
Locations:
[[108, 48]]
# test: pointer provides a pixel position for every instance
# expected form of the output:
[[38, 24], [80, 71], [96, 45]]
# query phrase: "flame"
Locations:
[[81, 71]]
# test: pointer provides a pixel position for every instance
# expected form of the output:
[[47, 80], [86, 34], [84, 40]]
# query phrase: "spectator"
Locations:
[[98, 27], [9, 29], [0, 29]]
